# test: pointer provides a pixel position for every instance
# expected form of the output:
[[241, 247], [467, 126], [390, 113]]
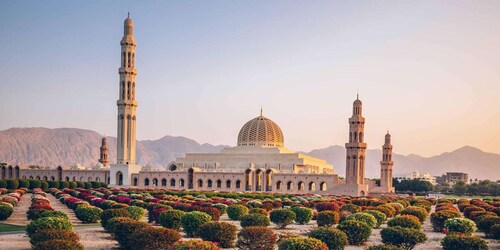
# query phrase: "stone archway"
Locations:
[[119, 178]]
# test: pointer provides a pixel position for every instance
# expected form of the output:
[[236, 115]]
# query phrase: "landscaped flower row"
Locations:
[[8, 201]]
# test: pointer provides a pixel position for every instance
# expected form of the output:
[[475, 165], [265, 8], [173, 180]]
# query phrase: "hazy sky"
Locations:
[[429, 71]]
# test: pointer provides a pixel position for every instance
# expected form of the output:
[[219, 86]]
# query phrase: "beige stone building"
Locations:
[[260, 161]]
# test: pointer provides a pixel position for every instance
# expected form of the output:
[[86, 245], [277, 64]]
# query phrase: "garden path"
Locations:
[[58, 206], [19, 217]]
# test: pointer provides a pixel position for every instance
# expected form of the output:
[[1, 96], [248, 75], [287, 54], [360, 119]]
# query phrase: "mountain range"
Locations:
[[67, 146]]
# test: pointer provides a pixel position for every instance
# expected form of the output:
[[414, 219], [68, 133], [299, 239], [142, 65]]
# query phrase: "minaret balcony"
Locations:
[[355, 145], [126, 70]]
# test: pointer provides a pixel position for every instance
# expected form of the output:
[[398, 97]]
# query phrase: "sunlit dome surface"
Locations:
[[261, 131]]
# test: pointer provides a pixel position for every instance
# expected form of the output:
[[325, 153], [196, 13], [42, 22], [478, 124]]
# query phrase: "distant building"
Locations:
[[417, 175], [453, 177]]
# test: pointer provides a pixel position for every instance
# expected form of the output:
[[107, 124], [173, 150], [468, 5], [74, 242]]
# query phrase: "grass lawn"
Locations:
[[11, 228]]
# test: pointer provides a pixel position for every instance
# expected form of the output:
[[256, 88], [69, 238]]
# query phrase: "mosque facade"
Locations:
[[260, 161]]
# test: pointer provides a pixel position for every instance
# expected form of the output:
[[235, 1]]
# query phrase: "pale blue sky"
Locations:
[[427, 70]]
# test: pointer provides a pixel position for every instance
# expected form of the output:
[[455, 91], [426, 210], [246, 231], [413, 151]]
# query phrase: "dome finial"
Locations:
[[260, 110], [357, 94]]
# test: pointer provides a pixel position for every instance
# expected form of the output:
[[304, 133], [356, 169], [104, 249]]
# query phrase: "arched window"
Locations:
[[135, 181], [312, 186], [289, 185], [124, 56], [219, 183], [128, 90], [44, 178], [172, 182], [155, 182], [200, 183], [122, 94], [163, 182], [301, 186], [238, 184], [228, 184], [119, 178], [90, 178], [181, 182], [129, 65], [67, 178], [31, 177], [97, 179], [172, 167], [278, 185], [361, 137], [322, 186], [209, 184], [146, 182], [24, 177], [355, 137]]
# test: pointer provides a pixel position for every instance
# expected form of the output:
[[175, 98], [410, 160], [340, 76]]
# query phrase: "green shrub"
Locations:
[[111, 213], [223, 233], [327, 218], [124, 232], [53, 234], [460, 225], [333, 238], [150, 237], [3, 183], [88, 214], [404, 237], [222, 208], [463, 242], [5, 211], [364, 217], [48, 223], [357, 231], [49, 213], [171, 219], [23, 183], [257, 238], [258, 211], [63, 184], [73, 184], [282, 217], [418, 212], [351, 208], [407, 221], [53, 184], [12, 184], [79, 184], [297, 243], [194, 245], [379, 216], [495, 232], [35, 184], [438, 219], [87, 185], [95, 184], [137, 213], [250, 220], [236, 211], [302, 214], [59, 245], [44, 185], [111, 225], [192, 221], [486, 222]]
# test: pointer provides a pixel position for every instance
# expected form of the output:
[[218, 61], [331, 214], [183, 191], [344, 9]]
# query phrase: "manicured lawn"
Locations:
[[10, 228]]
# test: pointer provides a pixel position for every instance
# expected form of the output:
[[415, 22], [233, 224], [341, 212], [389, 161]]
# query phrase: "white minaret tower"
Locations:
[[127, 105], [356, 152], [386, 166]]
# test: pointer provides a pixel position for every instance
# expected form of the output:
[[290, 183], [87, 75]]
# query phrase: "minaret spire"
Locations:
[[260, 110], [386, 166]]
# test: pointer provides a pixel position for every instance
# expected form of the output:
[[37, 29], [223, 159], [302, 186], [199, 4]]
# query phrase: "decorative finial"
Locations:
[[128, 14], [260, 110], [357, 94], [387, 131]]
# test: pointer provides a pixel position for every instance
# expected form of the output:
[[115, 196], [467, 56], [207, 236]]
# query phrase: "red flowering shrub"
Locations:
[[153, 238], [327, 206], [257, 238]]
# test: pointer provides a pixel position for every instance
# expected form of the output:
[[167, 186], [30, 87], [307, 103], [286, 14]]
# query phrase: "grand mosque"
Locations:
[[260, 162]]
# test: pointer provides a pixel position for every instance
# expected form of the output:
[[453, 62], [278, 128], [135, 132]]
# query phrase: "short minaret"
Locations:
[[104, 160], [126, 103], [386, 165], [356, 147]]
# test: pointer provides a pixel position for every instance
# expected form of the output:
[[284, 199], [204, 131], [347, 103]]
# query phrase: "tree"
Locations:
[[459, 188]]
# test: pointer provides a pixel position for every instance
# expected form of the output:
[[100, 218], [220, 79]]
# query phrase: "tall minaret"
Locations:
[[386, 165], [104, 160], [126, 103], [355, 160]]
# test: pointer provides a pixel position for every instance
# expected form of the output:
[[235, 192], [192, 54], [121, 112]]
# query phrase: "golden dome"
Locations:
[[261, 131]]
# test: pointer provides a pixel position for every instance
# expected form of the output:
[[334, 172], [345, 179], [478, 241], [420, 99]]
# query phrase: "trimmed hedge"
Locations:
[[438, 219], [257, 238], [236, 211], [379, 216], [223, 233], [333, 238], [302, 214], [357, 232], [407, 221], [192, 221], [364, 217], [250, 220], [485, 223], [5, 211], [48, 223], [327, 218], [460, 225], [194, 245], [171, 219], [137, 213], [463, 242], [88, 214], [53, 234], [112, 213], [419, 212], [59, 245], [298, 243], [153, 238], [124, 232], [404, 237], [282, 217]]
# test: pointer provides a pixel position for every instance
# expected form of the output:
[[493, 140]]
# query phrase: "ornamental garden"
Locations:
[[133, 218]]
